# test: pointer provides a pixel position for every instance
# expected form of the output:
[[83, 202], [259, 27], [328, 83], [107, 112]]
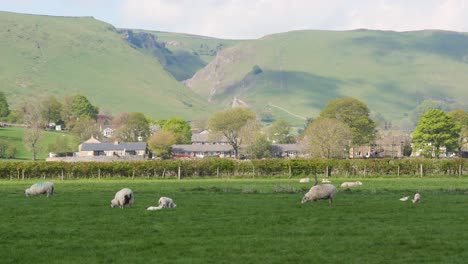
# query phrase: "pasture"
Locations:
[[236, 221]]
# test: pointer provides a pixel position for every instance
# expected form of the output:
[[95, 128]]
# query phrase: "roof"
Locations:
[[129, 146], [288, 147], [201, 148], [205, 137]]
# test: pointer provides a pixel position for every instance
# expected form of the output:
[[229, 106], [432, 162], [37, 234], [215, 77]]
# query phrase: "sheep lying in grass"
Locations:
[[164, 202], [351, 184], [320, 192], [40, 188], [417, 198], [122, 198], [304, 180]]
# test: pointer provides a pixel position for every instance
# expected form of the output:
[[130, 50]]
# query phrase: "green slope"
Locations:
[[392, 72], [68, 55]]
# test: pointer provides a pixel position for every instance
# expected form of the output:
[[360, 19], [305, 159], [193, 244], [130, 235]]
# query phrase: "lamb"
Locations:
[[40, 188], [417, 198], [404, 199], [304, 180], [351, 184], [320, 192], [164, 202], [122, 198]]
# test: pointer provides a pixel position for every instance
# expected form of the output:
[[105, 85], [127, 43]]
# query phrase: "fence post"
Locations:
[[133, 173], [398, 170], [62, 176], [99, 173], [22, 174], [290, 172], [421, 169], [460, 171], [217, 172], [178, 173]]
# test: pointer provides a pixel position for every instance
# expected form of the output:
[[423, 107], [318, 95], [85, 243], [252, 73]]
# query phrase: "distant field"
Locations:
[[235, 221], [15, 135]]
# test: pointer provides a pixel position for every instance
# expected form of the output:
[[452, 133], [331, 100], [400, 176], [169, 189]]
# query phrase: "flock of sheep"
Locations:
[[124, 197]]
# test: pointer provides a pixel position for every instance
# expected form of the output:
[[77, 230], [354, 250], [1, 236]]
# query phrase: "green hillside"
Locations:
[[68, 55], [392, 72]]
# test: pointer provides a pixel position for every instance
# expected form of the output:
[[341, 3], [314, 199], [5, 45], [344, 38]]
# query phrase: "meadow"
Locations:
[[236, 221]]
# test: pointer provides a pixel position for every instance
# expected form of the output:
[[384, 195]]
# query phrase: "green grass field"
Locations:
[[235, 221], [15, 135]]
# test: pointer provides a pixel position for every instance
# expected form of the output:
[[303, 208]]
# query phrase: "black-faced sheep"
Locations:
[[164, 202], [40, 188], [122, 198], [320, 192]]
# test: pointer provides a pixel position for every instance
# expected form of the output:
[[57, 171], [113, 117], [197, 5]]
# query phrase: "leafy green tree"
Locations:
[[51, 109], [161, 143], [436, 129], [422, 108], [180, 128], [407, 149], [461, 118], [260, 148], [327, 138], [4, 108], [132, 126], [78, 106], [355, 114], [230, 123], [280, 132]]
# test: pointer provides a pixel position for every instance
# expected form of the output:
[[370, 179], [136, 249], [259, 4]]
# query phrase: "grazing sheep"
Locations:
[[320, 192], [404, 199], [351, 184], [304, 180], [40, 188], [122, 198], [164, 202], [417, 198]]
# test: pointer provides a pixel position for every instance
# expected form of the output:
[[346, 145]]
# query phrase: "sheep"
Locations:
[[40, 188], [351, 184], [304, 180], [404, 199], [417, 198], [164, 202], [122, 198], [320, 192]]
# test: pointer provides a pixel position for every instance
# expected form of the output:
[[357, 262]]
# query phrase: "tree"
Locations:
[[160, 143], [461, 118], [435, 130], [422, 108], [229, 123], [407, 149], [132, 127], [180, 128], [61, 145], [327, 138], [34, 130], [78, 106], [355, 114], [260, 148], [4, 108], [85, 127], [280, 132], [51, 109]]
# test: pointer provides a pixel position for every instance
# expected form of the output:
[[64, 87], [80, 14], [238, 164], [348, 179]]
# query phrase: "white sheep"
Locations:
[[404, 199], [325, 180], [417, 198], [351, 184], [40, 188], [122, 198], [304, 180], [320, 192], [164, 202]]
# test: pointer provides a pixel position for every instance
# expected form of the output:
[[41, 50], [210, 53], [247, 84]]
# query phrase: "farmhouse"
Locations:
[[205, 138], [202, 150], [288, 150]]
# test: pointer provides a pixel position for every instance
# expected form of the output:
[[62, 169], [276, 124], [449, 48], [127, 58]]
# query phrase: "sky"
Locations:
[[247, 19]]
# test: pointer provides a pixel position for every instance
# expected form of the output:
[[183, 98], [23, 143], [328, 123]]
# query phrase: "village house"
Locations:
[[202, 151]]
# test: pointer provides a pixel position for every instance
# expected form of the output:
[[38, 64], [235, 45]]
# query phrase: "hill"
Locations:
[[293, 75], [67, 55]]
